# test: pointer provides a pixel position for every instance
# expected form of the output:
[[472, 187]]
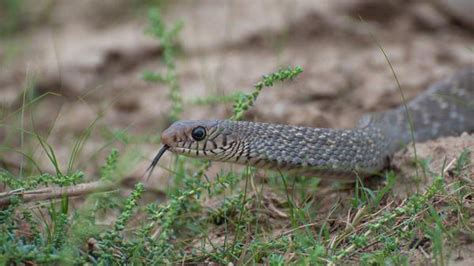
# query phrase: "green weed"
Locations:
[[167, 40]]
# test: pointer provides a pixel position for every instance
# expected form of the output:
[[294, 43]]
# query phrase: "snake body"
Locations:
[[445, 108]]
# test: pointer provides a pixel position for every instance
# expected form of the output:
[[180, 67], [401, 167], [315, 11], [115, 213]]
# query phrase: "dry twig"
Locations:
[[55, 192]]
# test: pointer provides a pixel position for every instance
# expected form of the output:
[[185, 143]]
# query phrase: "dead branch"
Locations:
[[56, 192]]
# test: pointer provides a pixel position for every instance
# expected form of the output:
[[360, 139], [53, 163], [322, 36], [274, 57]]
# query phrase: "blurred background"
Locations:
[[73, 71], [80, 80]]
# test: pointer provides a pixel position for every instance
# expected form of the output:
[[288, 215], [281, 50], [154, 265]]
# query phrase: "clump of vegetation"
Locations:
[[245, 101], [10, 18], [167, 38]]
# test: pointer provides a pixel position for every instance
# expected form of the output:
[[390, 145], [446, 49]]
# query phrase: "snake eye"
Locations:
[[199, 133]]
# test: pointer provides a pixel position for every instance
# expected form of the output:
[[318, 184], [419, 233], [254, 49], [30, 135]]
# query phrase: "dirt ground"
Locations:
[[91, 55]]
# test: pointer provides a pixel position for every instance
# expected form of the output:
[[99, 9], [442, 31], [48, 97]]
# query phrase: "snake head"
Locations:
[[208, 139], [193, 137]]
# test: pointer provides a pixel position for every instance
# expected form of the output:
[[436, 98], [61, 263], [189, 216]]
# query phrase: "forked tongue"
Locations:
[[155, 161]]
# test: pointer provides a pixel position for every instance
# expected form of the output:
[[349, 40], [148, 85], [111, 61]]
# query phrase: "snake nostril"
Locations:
[[168, 136]]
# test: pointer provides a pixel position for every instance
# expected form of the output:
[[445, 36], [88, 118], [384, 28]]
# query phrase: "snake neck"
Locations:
[[321, 151], [444, 109]]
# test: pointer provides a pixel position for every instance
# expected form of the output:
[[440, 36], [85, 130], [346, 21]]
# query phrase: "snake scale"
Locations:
[[445, 108]]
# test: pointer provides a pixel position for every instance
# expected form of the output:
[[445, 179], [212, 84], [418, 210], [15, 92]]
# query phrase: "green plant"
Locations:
[[10, 16], [167, 40], [245, 101]]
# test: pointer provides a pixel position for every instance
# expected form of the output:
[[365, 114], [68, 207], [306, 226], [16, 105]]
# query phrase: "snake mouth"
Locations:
[[199, 153], [188, 152]]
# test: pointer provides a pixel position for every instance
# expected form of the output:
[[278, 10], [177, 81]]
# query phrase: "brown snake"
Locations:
[[445, 108]]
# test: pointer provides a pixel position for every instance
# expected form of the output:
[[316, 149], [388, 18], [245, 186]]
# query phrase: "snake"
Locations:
[[446, 108]]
